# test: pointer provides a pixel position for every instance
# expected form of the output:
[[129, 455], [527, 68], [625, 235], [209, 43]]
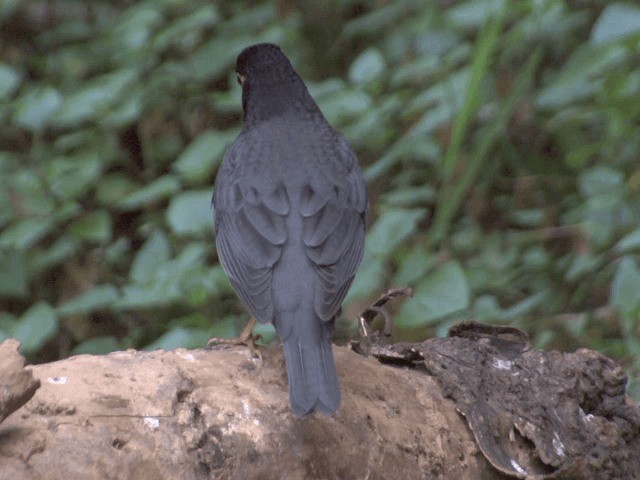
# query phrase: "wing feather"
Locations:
[[251, 226], [250, 229], [334, 209]]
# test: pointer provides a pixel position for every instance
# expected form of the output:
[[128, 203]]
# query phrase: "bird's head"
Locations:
[[270, 85], [264, 63]]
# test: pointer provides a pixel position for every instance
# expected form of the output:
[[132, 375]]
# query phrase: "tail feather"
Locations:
[[313, 380]]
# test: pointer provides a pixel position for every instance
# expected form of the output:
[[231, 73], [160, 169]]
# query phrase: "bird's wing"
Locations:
[[250, 230], [333, 206]]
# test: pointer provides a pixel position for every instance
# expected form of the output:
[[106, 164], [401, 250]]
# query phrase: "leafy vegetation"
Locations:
[[500, 141]]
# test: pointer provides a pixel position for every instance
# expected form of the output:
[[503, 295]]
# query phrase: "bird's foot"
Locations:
[[246, 338]]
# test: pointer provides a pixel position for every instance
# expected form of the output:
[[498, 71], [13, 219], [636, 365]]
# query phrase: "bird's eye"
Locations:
[[240, 78]]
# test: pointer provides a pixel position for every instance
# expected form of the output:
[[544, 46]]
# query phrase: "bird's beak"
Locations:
[[240, 78]]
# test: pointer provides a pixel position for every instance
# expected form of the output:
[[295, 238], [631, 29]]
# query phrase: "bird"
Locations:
[[290, 205]]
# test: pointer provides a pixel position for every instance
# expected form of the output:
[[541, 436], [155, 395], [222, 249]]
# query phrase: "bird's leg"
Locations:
[[245, 338]]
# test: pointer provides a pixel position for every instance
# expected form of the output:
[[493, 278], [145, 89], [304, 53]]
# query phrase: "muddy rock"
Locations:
[[17, 384], [219, 414]]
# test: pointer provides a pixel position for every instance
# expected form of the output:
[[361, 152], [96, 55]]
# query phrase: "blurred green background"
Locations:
[[500, 141]]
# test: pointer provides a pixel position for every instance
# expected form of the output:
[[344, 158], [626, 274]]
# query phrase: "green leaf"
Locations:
[[564, 92], [371, 23], [367, 66], [417, 147], [180, 338], [393, 228], [486, 309], [170, 284], [156, 191], [414, 265], [25, 233], [97, 346], [135, 26], [35, 108], [442, 293], [181, 31], [581, 76], [193, 320], [203, 155], [228, 102], [600, 179], [113, 187], [71, 177], [7, 325], [616, 21], [35, 327], [202, 283], [92, 101], [525, 306], [137, 297], [127, 111], [9, 81], [227, 327], [67, 211], [368, 279], [190, 213], [344, 104], [625, 288], [43, 258], [424, 66], [117, 253], [94, 227], [8, 8], [161, 151], [631, 241], [266, 331], [218, 55], [449, 93], [475, 13], [581, 155], [410, 196], [528, 217], [98, 298], [155, 252], [13, 273], [535, 258], [581, 265]]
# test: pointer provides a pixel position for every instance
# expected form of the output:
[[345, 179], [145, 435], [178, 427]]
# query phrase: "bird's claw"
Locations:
[[246, 338]]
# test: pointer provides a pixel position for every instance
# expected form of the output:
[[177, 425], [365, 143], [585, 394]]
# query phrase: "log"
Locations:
[[441, 409], [203, 414]]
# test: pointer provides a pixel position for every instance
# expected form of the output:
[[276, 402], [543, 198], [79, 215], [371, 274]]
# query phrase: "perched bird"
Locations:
[[290, 204]]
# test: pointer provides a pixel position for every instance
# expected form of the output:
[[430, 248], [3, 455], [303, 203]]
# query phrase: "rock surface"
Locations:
[[479, 404], [217, 414], [17, 384]]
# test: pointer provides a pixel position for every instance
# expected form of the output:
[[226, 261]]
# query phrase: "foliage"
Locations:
[[500, 141]]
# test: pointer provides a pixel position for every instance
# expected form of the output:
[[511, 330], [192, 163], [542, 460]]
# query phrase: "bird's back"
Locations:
[[290, 205]]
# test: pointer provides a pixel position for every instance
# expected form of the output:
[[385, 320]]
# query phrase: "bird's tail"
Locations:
[[313, 381]]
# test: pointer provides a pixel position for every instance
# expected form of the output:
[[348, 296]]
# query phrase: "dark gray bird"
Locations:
[[290, 204]]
